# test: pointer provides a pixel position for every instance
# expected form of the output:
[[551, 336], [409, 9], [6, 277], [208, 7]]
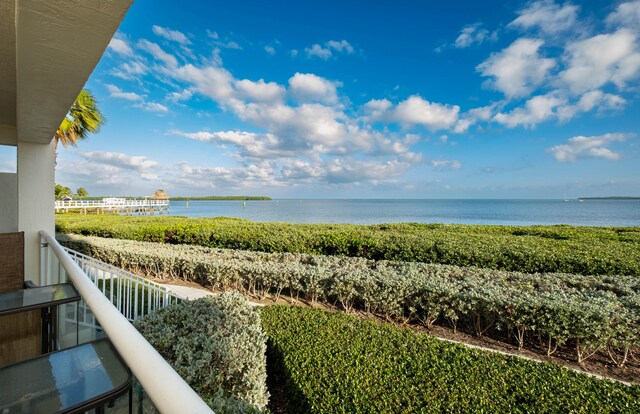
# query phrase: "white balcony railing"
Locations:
[[166, 389], [132, 295]]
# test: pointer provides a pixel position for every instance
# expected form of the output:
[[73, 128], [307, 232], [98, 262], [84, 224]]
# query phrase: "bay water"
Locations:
[[503, 212]]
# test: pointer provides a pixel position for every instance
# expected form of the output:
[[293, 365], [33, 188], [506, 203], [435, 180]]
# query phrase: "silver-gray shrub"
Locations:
[[217, 345], [594, 313]]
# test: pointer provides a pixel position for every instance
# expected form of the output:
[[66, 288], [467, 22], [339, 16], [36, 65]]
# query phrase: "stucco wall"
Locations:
[[8, 202]]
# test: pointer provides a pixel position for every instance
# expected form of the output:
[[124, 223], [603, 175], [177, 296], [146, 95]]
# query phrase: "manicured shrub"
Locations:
[[216, 344], [592, 314], [568, 249], [336, 363]]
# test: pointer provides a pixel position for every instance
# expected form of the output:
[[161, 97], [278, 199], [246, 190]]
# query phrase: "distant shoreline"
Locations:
[[610, 198], [205, 198], [218, 198]]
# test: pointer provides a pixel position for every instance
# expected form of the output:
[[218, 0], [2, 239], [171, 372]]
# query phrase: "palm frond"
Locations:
[[84, 118]]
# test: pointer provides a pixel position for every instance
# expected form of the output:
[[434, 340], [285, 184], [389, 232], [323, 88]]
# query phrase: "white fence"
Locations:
[[132, 295]]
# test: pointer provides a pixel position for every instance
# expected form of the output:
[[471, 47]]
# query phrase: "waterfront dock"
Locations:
[[115, 205]]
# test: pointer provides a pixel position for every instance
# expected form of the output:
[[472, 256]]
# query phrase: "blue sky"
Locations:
[[404, 99]]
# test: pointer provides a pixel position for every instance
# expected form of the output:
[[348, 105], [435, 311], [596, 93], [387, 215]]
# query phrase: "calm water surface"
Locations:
[[506, 212]]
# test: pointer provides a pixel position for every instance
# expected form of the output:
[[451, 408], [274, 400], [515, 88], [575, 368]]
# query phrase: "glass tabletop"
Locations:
[[65, 381], [40, 297]]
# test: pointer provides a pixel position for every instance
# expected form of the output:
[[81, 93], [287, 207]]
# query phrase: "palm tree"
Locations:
[[83, 118], [82, 192], [61, 191]]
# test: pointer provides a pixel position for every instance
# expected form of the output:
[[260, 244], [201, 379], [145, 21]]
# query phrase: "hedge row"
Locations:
[[589, 313], [581, 250], [335, 363], [217, 345]]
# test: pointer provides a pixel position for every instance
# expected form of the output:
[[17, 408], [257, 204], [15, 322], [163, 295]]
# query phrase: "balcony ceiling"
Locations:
[[48, 49]]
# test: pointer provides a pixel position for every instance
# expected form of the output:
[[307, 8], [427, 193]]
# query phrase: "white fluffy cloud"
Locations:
[[589, 101], [474, 115], [587, 65], [140, 101], [414, 111], [536, 110], [598, 60], [120, 45], [626, 14], [302, 170], [305, 119], [260, 91], [116, 92], [553, 105], [257, 175], [120, 160], [130, 70], [418, 111], [447, 164], [157, 52], [329, 48], [581, 147], [154, 107], [179, 96], [251, 144], [305, 127], [212, 81], [304, 133], [289, 173], [378, 105], [307, 87], [342, 171], [172, 35], [341, 46], [517, 70], [547, 16], [473, 35]]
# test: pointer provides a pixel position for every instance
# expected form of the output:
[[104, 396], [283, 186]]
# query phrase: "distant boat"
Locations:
[[581, 200], [565, 198]]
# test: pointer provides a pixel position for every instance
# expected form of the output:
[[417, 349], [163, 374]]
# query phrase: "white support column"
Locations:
[[36, 181]]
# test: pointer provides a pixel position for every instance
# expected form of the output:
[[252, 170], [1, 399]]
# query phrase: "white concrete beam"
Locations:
[[58, 43], [8, 62]]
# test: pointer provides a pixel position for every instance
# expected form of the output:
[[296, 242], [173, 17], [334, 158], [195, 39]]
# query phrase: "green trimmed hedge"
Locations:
[[335, 363], [589, 313], [217, 345], [580, 250]]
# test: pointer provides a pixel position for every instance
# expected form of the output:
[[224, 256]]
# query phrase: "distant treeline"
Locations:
[[208, 198], [251, 198], [610, 198], [99, 198]]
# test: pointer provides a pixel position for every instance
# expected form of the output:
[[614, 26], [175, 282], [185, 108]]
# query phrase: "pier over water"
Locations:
[[115, 205]]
